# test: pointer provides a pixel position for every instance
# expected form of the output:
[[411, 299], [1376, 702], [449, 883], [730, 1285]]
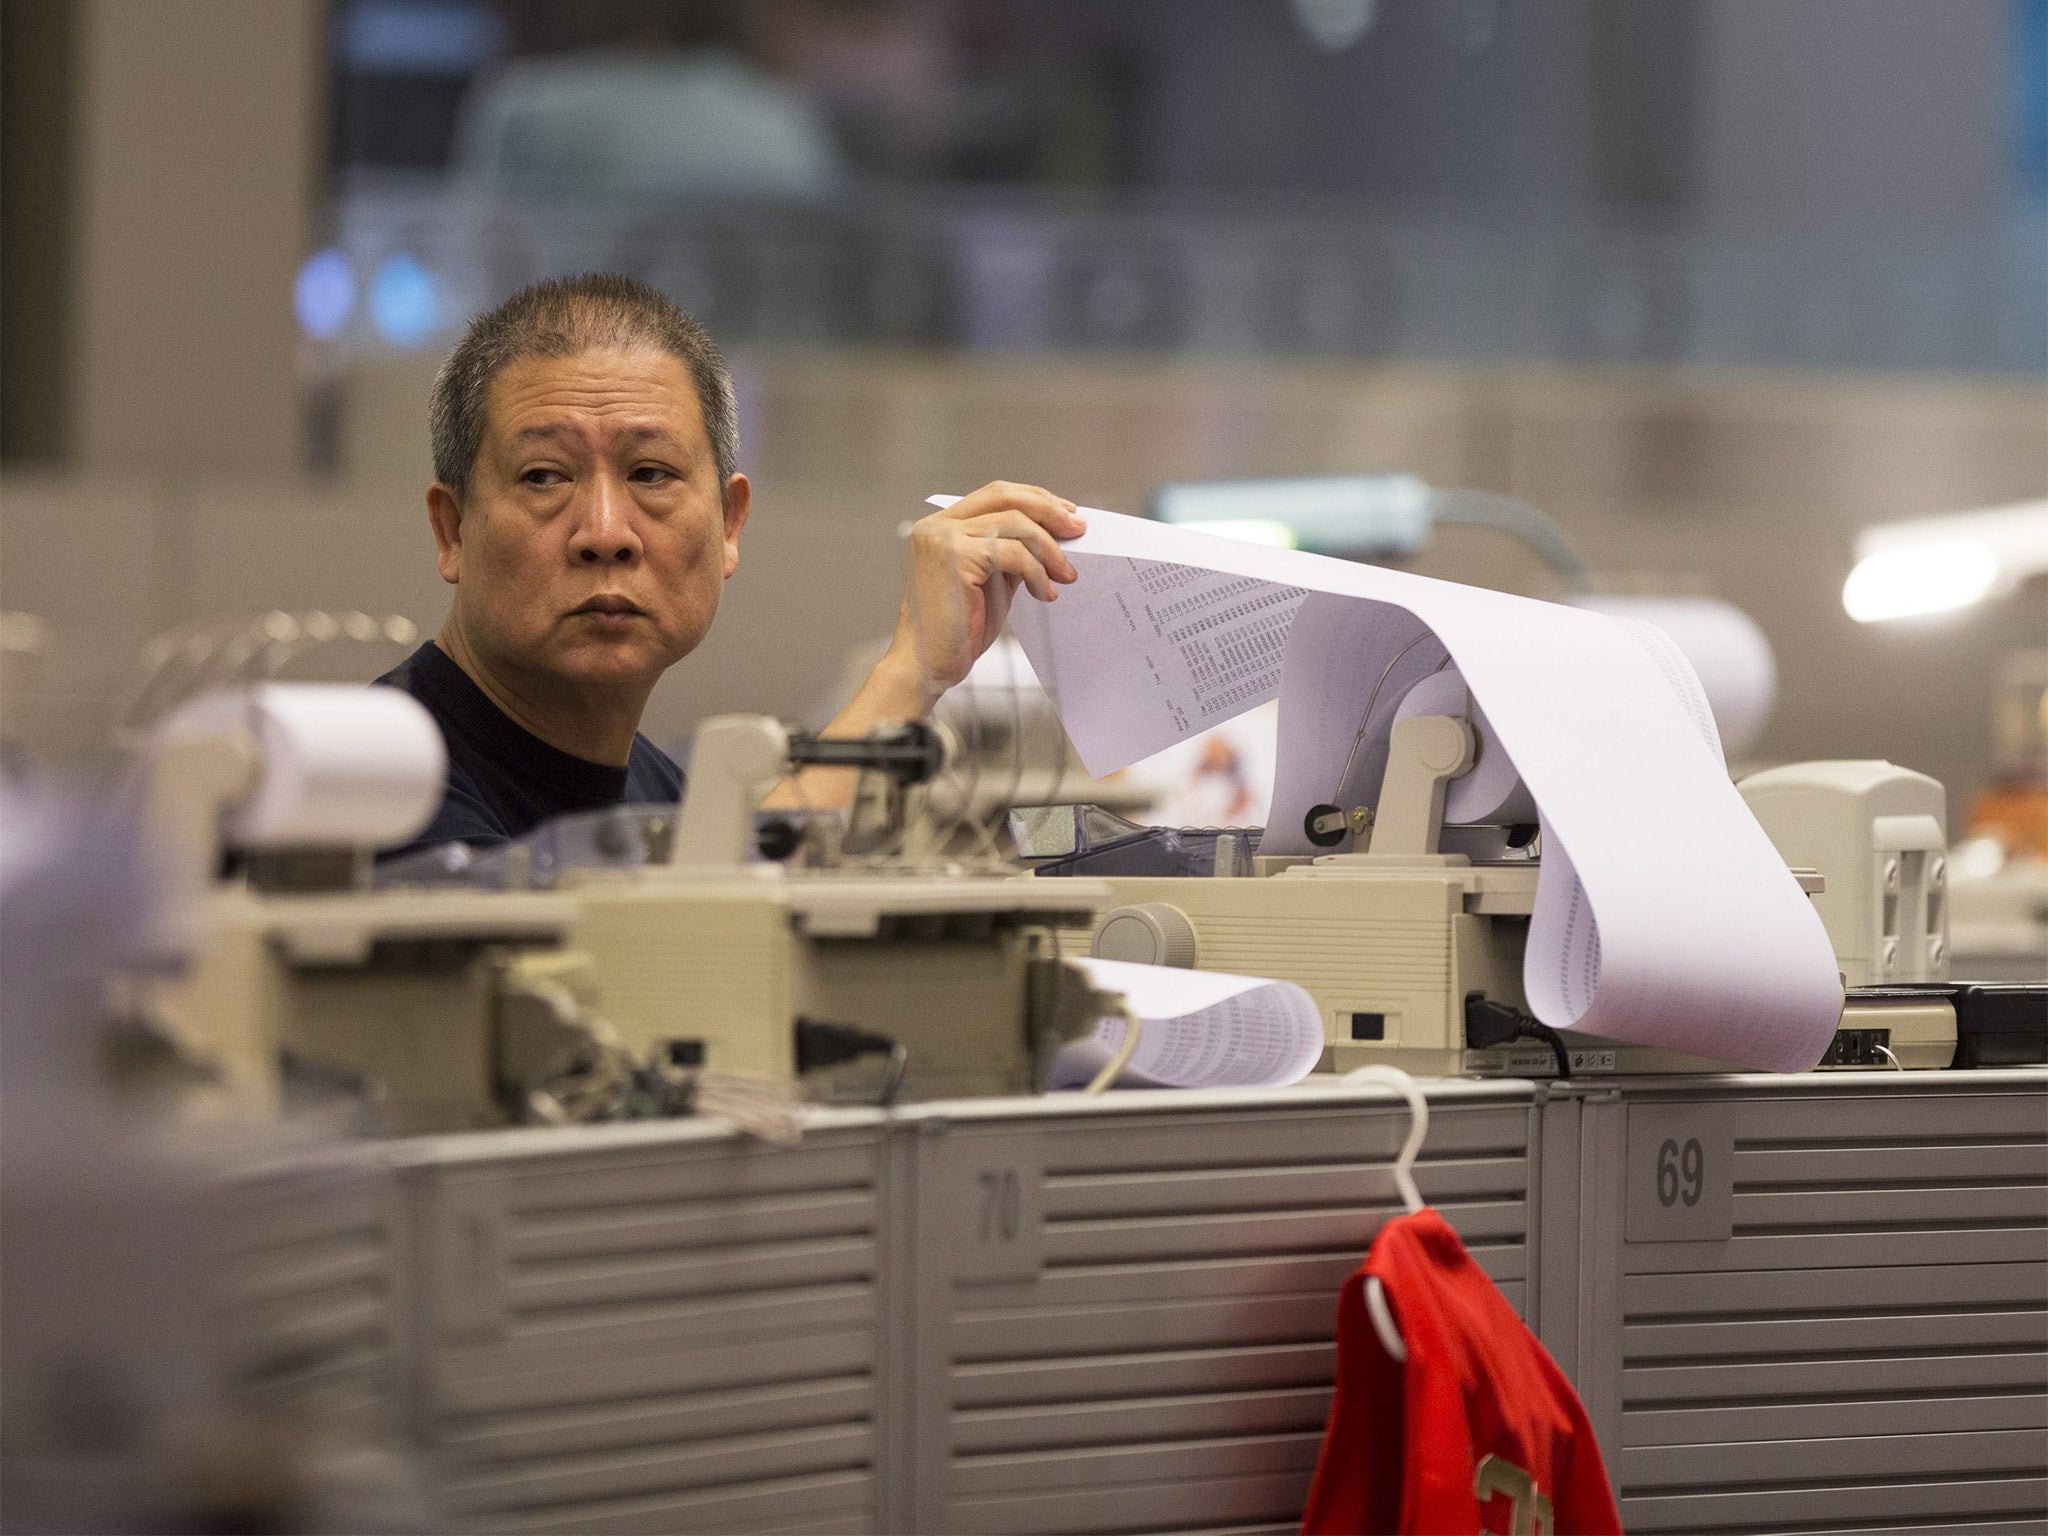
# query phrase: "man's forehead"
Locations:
[[641, 393]]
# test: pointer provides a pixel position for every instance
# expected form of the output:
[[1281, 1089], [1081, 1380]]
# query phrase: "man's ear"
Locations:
[[739, 501], [444, 511]]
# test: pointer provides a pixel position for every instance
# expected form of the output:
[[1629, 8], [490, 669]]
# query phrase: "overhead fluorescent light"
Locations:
[[1933, 565]]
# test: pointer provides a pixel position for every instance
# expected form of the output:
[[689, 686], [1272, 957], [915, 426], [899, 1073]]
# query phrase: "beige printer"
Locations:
[[596, 987], [1414, 946]]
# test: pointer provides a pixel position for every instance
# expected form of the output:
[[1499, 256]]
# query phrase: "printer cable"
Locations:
[[1488, 1023], [821, 1044]]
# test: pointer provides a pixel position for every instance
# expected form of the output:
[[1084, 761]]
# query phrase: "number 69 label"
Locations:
[[1681, 1175], [1681, 1172]]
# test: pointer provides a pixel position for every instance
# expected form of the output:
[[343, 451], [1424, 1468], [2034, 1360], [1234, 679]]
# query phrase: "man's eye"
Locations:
[[541, 477], [653, 474]]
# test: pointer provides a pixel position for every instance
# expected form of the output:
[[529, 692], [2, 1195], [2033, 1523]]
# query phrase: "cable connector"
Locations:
[[1488, 1023], [820, 1045]]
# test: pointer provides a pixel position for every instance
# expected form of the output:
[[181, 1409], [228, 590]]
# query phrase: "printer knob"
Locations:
[[1150, 932]]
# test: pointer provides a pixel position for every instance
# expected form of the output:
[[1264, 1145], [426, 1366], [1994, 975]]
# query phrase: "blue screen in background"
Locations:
[[2030, 96]]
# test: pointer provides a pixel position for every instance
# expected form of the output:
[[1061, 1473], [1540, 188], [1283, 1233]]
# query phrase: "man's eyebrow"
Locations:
[[649, 432], [652, 432]]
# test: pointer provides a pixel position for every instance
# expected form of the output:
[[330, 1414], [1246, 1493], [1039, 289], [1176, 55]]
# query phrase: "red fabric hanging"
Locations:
[[1478, 1431]]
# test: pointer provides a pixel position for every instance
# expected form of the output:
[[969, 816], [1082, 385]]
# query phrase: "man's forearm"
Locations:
[[967, 561], [894, 691]]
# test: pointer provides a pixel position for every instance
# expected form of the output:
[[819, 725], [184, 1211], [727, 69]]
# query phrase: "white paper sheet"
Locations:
[[1199, 1029], [1724, 649], [1665, 916]]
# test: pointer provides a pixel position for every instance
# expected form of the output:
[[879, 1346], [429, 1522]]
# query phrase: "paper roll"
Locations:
[[1730, 655], [1493, 793], [340, 766]]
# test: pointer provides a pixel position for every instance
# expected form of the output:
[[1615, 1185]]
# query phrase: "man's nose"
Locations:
[[606, 532]]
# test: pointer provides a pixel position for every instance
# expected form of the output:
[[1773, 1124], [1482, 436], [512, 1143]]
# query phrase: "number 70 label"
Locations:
[[997, 1226]]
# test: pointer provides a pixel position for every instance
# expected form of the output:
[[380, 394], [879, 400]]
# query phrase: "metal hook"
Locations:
[[1376, 1305]]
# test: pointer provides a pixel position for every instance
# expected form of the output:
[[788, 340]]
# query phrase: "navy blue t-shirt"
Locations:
[[503, 781]]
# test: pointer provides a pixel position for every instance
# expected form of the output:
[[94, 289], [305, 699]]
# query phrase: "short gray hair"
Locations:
[[564, 317]]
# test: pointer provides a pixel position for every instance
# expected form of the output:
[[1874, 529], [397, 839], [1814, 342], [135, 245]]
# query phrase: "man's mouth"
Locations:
[[617, 606]]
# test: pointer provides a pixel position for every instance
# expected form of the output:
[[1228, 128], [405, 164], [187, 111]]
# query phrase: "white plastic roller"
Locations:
[[279, 765], [334, 765]]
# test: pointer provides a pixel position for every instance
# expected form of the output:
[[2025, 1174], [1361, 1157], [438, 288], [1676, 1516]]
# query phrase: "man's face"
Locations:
[[593, 539]]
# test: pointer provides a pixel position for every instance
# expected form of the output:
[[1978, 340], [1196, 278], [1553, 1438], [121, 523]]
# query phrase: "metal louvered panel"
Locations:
[[1868, 1347], [316, 1278], [656, 1329], [1148, 1344]]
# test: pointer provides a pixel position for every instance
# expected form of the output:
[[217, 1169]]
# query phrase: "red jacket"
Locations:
[[1479, 1431]]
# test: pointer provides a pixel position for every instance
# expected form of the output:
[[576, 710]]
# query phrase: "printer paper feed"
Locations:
[[1664, 915], [1204, 647], [1337, 708], [1199, 1029]]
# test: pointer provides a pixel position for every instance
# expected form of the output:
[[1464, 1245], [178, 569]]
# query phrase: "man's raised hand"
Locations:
[[966, 563]]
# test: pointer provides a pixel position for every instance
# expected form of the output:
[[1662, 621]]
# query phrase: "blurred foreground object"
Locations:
[[22, 637], [176, 1329], [299, 771], [1930, 565]]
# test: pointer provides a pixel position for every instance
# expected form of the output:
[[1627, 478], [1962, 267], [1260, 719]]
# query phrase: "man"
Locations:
[[587, 511]]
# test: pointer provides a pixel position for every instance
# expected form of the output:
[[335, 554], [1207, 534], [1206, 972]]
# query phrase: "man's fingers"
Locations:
[[1013, 559], [1015, 525], [1007, 493], [1034, 501], [1000, 593]]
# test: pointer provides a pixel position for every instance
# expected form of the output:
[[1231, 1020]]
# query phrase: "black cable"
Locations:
[[819, 1044], [1488, 1023], [1555, 1041]]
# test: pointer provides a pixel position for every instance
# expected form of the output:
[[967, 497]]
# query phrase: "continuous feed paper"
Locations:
[[1198, 1029], [1664, 915]]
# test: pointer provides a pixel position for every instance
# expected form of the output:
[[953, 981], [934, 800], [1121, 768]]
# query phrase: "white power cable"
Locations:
[[1113, 1068]]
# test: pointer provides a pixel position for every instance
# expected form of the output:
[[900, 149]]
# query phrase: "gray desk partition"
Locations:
[[1800, 1304], [1816, 1303], [1124, 1307], [1007, 1315], [316, 1270], [665, 1327]]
